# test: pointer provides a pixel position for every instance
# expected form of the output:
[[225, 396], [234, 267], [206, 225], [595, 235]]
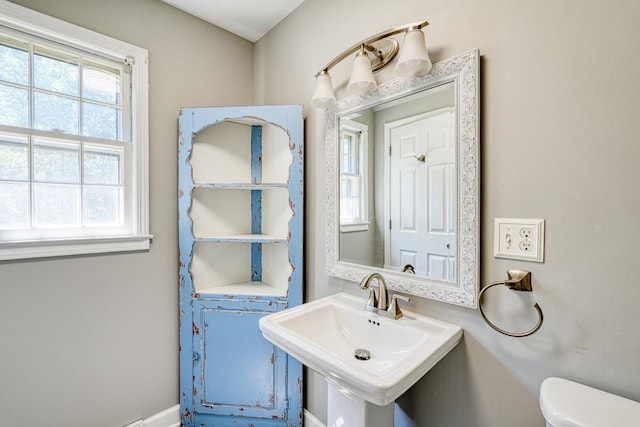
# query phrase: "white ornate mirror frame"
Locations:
[[464, 71]]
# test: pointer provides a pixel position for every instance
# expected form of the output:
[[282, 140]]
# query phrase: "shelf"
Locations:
[[223, 264], [242, 186], [228, 152], [244, 288], [230, 212], [243, 238]]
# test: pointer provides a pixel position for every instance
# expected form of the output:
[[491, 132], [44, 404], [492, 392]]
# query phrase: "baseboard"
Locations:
[[171, 418], [167, 418], [311, 421]]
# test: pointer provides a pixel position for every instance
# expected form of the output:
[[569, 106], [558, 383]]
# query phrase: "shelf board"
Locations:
[[243, 238], [242, 186], [245, 288]]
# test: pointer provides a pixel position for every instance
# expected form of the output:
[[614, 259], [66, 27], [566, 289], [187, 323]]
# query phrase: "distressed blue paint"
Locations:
[[256, 202], [242, 359], [256, 228], [256, 211], [201, 420], [185, 187], [256, 154], [256, 262], [206, 320]]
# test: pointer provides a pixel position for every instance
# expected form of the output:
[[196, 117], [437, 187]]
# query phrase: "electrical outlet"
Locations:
[[521, 239], [526, 232]]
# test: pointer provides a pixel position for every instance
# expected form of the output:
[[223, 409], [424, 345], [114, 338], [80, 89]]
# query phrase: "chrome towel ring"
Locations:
[[517, 280]]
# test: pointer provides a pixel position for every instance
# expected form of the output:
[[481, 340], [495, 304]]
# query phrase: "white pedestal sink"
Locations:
[[325, 334]]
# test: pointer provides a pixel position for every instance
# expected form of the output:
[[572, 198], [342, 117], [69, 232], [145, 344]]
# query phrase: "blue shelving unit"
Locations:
[[240, 258]]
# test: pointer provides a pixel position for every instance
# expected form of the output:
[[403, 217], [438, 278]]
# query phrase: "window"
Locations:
[[73, 139], [353, 176]]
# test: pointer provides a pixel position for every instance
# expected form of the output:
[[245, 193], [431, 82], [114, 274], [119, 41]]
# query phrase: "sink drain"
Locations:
[[362, 354]]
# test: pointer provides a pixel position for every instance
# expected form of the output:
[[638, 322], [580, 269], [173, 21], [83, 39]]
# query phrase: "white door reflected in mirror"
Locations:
[[421, 189]]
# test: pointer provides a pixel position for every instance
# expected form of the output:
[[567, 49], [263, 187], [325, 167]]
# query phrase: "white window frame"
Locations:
[[362, 132], [37, 24]]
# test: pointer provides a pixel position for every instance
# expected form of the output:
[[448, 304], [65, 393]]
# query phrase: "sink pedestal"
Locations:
[[344, 409]]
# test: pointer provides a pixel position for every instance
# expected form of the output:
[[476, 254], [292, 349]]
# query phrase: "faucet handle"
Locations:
[[394, 307]]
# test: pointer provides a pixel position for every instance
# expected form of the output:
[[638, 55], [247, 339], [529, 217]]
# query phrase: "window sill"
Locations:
[[70, 247], [351, 228]]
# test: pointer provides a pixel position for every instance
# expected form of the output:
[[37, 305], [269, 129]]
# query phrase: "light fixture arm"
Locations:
[[367, 43]]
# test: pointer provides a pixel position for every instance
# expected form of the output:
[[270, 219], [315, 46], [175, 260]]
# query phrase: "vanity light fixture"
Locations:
[[373, 54]]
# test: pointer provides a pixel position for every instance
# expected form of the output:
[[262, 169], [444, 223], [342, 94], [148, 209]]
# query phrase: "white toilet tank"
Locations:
[[565, 403]]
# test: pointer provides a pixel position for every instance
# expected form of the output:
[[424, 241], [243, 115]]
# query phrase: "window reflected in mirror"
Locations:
[[354, 166]]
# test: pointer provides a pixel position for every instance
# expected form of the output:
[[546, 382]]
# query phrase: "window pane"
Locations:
[[349, 210], [55, 113], [347, 144], [14, 61], [14, 205], [56, 162], [101, 83], [350, 186], [102, 206], [350, 202], [14, 106], [56, 205], [102, 166], [350, 156], [55, 71], [344, 187], [100, 121], [347, 141], [14, 158]]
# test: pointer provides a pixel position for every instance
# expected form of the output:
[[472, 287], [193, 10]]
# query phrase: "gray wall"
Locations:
[[560, 141], [93, 341]]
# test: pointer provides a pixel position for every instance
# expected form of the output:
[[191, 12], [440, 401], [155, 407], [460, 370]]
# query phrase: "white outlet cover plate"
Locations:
[[518, 238]]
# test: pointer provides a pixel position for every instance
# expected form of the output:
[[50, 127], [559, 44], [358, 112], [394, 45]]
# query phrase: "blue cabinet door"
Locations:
[[236, 371]]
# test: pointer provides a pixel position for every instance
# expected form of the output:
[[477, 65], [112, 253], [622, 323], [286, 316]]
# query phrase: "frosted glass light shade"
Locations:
[[323, 96], [362, 80], [413, 59]]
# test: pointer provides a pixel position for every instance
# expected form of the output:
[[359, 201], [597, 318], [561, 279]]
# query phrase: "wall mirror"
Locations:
[[403, 183]]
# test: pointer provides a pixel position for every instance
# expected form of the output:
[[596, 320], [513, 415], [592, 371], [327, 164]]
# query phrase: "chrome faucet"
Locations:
[[381, 305], [382, 302]]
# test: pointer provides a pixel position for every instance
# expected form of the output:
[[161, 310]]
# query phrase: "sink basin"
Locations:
[[325, 334]]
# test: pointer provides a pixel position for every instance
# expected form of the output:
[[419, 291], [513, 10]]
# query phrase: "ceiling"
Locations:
[[249, 19]]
